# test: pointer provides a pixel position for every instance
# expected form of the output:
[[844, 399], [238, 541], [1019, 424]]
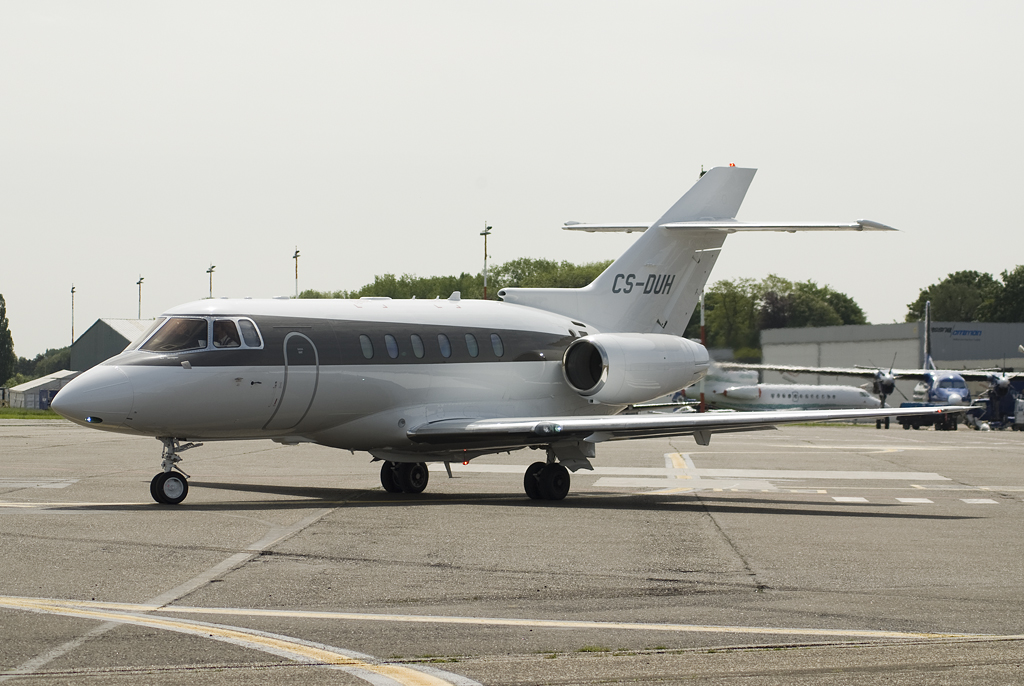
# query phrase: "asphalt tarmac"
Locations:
[[825, 555]]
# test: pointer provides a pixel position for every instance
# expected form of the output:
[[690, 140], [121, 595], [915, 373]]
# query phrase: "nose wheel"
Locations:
[[169, 488]]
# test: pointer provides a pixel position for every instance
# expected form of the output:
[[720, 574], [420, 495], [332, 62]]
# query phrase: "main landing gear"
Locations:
[[546, 481], [404, 477], [879, 423], [170, 486]]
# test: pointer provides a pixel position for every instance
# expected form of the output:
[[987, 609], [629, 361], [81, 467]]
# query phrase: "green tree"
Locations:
[[525, 272], [42, 364], [1007, 301], [963, 296], [737, 311], [8, 360], [731, 309]]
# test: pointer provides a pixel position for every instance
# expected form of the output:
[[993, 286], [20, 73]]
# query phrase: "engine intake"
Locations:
[[624, 368]]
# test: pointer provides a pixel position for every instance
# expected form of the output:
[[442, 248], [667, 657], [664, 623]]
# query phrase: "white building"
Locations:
[[37, 394]]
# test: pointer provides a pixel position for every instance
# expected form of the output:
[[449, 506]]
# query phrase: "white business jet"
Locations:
[[418, 381]]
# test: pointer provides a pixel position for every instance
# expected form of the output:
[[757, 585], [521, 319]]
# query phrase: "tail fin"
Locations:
[[928, 362], [655, 285]]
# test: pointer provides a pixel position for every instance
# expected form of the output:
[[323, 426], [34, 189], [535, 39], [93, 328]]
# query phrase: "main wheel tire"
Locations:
[[169, 488], [878, 423], [412, 477], [886, 422], [388, 479], [531, 480], [554, 482]]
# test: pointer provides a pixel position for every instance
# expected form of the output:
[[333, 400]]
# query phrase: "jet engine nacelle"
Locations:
[[624, 368]]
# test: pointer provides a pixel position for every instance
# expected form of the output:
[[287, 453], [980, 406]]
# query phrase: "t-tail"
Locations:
[[656, 284]]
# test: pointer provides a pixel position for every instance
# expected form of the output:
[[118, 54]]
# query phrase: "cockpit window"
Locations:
[[149, 332], [179, 333], [225, 334], [952, 383], [249, 333]]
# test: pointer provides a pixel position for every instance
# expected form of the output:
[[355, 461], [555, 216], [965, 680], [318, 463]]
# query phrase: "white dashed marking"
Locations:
[[36, 483], [914, 500], [848, 499], [979, 501]]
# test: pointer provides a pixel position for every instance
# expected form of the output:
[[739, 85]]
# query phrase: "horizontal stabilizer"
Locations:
[[733, 227]]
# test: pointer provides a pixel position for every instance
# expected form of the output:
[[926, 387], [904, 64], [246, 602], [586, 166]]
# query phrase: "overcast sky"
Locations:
[[155, 139]]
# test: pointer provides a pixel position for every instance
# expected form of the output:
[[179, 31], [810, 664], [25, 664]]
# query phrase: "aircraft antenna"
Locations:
[[72, 313], [485, 233], [296, 258], [139, 284]]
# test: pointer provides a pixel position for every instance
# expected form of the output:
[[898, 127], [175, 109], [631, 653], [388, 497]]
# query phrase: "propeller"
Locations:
[[885, 382]]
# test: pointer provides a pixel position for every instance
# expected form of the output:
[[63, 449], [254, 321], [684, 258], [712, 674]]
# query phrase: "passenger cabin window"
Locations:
[[178, 334], [225, 334], [471, 345], [392, 345], [445, 345], [496, 345], [249, 333], [417, 345], [366, 345]]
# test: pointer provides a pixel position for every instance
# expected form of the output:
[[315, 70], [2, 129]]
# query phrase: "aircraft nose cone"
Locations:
[[955, 399], [100, 397]]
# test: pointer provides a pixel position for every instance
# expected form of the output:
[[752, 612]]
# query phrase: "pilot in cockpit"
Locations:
[[225, 334]]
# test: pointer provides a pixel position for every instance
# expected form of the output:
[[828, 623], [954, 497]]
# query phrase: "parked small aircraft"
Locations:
[[728, 391], [935, 386], [416, 381]]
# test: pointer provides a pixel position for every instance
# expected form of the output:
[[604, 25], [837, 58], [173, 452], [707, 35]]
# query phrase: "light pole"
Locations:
[[72, 314], [139, 284], [210, 272], [485, 233], [296, 258]]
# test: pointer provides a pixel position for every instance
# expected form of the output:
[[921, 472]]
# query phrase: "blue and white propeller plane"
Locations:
[[418, 381]]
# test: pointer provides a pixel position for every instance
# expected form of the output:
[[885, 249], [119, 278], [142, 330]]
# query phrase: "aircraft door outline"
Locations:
[[300, 382]]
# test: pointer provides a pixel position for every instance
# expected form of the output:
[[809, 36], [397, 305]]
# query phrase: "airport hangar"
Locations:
[[955, 345]]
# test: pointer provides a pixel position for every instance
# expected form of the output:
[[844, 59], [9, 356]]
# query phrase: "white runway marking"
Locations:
[[914, 500], [848, 499], [979, 501], [125, 611]]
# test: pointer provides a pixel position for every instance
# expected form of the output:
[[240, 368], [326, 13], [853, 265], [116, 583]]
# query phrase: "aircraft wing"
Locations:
[[521, 432], [734, 226]]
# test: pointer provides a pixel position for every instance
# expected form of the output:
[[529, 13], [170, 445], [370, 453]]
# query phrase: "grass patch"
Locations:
[[22, 413], [594, 649]]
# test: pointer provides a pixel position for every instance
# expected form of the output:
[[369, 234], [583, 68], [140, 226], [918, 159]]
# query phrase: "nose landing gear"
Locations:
[[170, 486]]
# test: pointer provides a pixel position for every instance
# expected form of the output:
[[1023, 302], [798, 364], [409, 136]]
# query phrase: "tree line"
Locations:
[[970, 296], [736, 310]]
